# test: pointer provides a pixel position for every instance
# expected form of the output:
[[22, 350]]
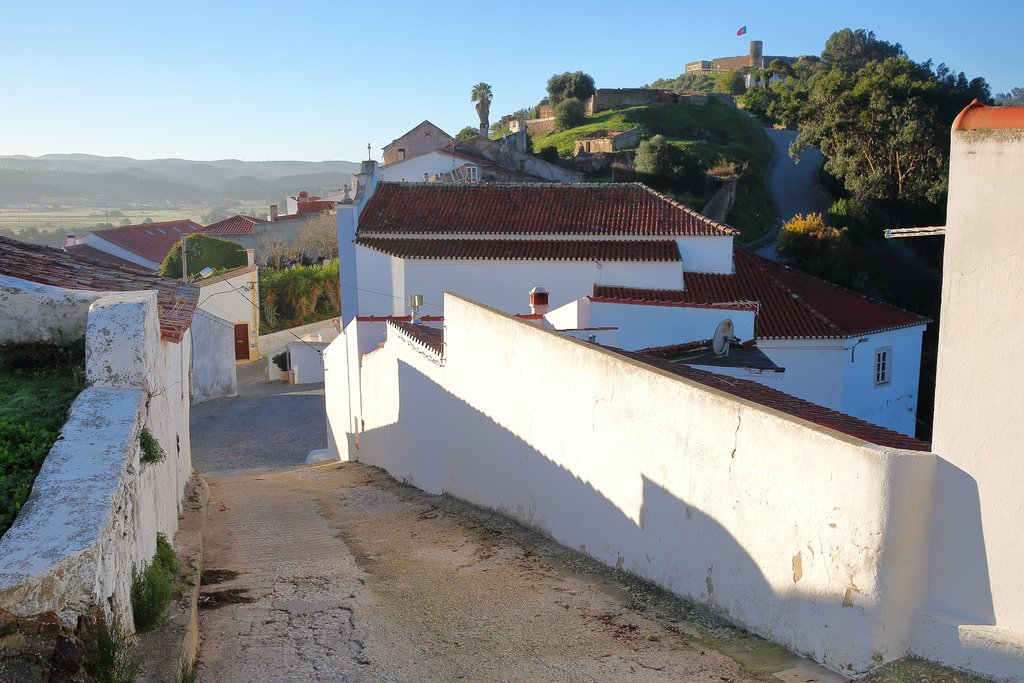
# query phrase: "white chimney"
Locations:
[[273, 212], [538, 301], [250, 257], [72, 241]]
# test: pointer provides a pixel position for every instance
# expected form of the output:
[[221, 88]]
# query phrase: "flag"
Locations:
[[743, 29]]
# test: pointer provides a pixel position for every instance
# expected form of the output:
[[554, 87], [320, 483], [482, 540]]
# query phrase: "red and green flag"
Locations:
[[743, 29]]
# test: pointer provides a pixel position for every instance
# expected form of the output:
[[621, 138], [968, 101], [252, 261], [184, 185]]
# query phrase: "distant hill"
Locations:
[[85, 178]]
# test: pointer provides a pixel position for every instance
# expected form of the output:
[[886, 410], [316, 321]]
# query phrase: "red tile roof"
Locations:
[[773, 398], [236, 225], [525, 250], [151, 241], [176, 301], [93, 252], [431, 337], [623, 209], [977, 115], [793, 305]]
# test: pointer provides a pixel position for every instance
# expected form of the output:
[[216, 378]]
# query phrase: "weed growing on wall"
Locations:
[[153, 587], [110, 656], [152, 453]]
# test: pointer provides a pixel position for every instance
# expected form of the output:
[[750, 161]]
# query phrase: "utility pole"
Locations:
[[184, 261]]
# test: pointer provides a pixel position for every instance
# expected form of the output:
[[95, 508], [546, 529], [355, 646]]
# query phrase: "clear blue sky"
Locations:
[[319, 80]]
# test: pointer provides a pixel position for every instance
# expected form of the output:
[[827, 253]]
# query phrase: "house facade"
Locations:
[[607, 141], [234, 297], [423, 138]]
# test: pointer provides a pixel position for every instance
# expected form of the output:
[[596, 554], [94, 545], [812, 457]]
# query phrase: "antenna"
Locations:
[[723, 335]]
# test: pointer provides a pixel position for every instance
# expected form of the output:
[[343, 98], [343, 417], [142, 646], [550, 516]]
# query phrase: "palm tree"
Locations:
[[482, 95]]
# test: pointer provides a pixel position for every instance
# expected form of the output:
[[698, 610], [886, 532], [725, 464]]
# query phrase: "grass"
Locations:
[[721, 134], [110, 656], [77, 216], [152, 453], [153, 587], [37, 385]]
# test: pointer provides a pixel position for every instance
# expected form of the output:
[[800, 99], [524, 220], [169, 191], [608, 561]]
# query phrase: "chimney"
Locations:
[[273, 212], [538, 301], [71, 240], [250, 257]]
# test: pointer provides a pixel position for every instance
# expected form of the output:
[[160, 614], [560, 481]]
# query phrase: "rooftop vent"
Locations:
[[538, 301]]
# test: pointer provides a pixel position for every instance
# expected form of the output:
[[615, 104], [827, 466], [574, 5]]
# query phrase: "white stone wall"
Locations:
[[95, 509], [214, 373], [232, 300], [975, 617], [804, 535], [307, 363], [33, 312]]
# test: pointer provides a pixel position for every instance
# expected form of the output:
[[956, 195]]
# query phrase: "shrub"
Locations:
[[109, 654], [569, 85], [569, 114], [153, 587], [811, 245], [203, 251], [152, 453], [282, 361]]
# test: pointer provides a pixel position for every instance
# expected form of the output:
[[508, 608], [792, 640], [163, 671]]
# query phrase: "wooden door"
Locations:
[[241, 341]]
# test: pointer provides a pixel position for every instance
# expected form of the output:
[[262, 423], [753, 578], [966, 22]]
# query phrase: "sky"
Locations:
[[321, 80]]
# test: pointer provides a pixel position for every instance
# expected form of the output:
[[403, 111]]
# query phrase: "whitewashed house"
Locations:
[[608, 252]]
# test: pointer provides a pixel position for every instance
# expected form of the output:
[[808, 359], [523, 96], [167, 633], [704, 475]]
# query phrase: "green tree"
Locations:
[[481, 94], [684, 82], [730, 82], [811, 245], [850, 50], [466, 133], [569, 85], [664, 165], [203, 252], [501, 127], [569, 114], [758, 101]]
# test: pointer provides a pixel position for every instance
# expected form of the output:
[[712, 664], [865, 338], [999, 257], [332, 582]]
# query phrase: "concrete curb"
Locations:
[[173, 647]]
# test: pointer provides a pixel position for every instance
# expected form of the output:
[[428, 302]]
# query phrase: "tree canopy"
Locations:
[[571, 84], [569, 113], [465, 133], [203, 252], [730, 82], [482, 95], [667, 166], [850, 49]]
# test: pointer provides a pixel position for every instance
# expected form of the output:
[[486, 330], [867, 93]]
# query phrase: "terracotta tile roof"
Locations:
[[791, 405], [151, 241], [176, 301], [431, 337], [236, 225], [525, 250], [793, 305], [621, 209], [93, 252]]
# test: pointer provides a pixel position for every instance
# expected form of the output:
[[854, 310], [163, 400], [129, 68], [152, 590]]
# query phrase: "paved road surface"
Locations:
[[794, 186]]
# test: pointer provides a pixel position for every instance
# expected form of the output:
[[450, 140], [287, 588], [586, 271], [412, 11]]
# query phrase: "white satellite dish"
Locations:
[[723, 334]]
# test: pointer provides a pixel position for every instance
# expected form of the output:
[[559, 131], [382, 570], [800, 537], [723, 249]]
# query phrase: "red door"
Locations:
[[241, 341]]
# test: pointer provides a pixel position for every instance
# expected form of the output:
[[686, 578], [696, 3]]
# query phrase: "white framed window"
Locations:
[[472, 173], [883, 366]]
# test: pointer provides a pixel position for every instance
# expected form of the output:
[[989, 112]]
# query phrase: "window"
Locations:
[[473, 174], [883, 366]]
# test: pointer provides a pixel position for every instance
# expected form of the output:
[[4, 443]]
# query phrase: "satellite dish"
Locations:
[[723, 334]]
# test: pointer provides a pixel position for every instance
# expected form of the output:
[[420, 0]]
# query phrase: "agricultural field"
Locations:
[[76, 217]]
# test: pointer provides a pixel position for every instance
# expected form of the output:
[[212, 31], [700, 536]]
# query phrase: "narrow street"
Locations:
[[339, 573]]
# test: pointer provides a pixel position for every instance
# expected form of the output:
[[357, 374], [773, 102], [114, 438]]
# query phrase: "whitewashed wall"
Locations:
[[214, 373], [386, 282], [231, 299], [97, 242], [307, 363], [645, 325], [704, 254], [832, 373], [95, 509], [412, 170], [975, 617], [783, 526], [40, 313]]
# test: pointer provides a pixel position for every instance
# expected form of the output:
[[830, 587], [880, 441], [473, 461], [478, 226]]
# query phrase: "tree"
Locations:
[[809, 244], [481, 94], [569, 114], [466, 133], [203, 252], [501, 127], [730, 82], [758, 101], [883, 129], [851, 50], [668, 166], [277, 253], [318, 238], [569, 85]]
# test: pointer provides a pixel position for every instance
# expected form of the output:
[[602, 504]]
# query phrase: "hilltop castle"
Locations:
[[755, 59]]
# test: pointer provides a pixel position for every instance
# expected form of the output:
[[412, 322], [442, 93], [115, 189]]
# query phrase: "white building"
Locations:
[[624, 244], [145, 245], [234, 297]]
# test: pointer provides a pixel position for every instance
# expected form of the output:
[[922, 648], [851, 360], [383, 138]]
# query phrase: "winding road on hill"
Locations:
[[794, 186]]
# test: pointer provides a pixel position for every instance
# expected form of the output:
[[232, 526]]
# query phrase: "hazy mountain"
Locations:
[[70, 178]]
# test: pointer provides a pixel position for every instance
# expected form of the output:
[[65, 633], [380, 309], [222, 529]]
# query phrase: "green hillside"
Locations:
[[719, 133]]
